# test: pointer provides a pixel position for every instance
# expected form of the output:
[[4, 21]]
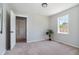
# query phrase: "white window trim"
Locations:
[[58, 26]]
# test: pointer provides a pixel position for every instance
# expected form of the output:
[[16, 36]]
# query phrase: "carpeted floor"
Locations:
[[42, 48]]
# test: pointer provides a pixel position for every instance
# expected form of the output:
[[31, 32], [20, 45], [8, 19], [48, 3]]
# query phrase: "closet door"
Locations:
[[20, 29]]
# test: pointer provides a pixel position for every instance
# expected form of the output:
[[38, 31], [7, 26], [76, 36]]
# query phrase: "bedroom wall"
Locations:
[[3, 35], [36, 27], [73, 37]]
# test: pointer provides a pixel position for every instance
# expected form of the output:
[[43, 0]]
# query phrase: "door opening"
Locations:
[[21, 29]]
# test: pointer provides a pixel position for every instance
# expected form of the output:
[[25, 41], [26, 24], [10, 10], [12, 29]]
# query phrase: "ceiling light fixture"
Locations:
[[44, 5]]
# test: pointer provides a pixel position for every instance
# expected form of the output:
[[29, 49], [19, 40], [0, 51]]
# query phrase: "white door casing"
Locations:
[[12, 29]]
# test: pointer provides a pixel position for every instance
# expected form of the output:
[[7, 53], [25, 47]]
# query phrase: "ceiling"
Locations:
[[36, 8]]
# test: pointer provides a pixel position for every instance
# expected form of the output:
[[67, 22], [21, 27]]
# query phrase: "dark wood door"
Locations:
[[20, 29]]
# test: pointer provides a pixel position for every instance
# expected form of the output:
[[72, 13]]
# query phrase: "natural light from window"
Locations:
[[63, 24]]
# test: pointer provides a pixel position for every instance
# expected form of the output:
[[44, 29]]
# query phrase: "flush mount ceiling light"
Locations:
[[44, 5]]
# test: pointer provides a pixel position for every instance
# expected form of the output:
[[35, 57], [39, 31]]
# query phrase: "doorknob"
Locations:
[[11, 31]]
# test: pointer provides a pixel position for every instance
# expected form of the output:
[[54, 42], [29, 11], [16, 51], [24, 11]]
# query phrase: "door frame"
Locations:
[[25, 25], [12, 31]]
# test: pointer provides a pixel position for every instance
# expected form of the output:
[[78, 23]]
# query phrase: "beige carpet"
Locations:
[[42, 48]]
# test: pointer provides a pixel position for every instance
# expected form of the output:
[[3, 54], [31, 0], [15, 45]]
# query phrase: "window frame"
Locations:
[[58, 22]]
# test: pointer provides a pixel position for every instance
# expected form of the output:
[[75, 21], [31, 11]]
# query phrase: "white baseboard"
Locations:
[[35, 41], [73, 45]]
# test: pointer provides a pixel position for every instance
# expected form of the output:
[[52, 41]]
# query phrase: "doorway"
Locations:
[[21, 29]]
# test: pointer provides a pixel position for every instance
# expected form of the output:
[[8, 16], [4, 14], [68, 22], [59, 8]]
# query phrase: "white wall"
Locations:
[[36, 27], [3, 35], [73, 37]]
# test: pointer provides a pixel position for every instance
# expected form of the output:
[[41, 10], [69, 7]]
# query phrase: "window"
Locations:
[[63, 24]]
